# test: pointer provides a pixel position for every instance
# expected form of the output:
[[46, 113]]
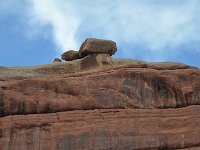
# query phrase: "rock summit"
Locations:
[[91, 46]]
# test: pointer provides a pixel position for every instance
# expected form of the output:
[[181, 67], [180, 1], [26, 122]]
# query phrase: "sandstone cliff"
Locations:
[[98, 102]]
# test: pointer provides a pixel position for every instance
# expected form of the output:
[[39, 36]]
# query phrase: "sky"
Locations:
[[34, 32]]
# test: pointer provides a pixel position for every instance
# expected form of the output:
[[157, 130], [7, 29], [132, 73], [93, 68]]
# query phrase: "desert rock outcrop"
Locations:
[[100, 103]]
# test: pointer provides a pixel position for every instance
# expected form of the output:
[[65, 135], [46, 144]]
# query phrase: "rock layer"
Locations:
[[100, 103], [103, 129]]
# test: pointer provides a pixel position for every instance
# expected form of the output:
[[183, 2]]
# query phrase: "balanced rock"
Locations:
[[57, 60], [70, 55], [92, 45]]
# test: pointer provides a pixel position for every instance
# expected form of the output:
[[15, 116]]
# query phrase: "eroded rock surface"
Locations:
[[100, 103], [103, 129]]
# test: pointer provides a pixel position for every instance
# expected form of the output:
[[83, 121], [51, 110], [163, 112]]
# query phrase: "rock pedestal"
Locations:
[[96, 60]]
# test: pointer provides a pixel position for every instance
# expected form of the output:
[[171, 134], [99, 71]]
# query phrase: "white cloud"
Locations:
[[155, 25], [62, 20]]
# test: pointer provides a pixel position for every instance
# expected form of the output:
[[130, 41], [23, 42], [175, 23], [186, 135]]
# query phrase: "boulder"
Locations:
[[92, 45], [70, 55], [57, 60]]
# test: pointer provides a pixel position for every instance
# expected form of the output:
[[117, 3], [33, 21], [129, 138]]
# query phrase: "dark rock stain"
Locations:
[[68, 142], [161, 88], [1, 104], [1, 133]]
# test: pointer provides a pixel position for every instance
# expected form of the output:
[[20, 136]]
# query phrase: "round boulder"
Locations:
[[70, 55], [57, 60], [92, 45]]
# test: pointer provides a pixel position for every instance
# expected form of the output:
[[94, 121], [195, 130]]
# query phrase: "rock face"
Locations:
[[92, 45], [70, 55], [100, 103]]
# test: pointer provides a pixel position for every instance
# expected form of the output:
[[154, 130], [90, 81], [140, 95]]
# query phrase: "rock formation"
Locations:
[[92, 45], [57, 60], [70, 55], [89, 47], [100, 103]]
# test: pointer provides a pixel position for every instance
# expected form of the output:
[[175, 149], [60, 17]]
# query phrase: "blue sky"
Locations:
[[34, 32]]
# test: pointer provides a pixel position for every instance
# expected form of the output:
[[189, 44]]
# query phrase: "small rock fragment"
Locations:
[[57, 60]]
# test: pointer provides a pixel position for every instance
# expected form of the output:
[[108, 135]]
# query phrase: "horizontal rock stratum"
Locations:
[[100, 103]]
